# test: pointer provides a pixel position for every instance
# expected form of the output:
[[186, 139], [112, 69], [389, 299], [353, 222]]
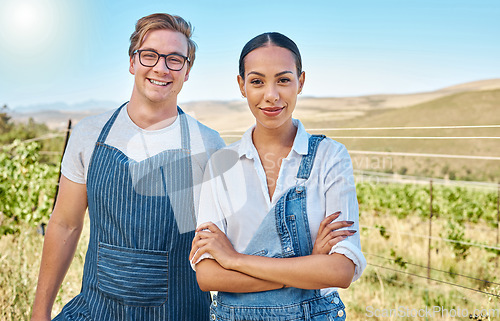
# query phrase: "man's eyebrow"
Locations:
[[174, 52]]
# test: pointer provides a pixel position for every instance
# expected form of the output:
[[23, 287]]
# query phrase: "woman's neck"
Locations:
[[283, 136]]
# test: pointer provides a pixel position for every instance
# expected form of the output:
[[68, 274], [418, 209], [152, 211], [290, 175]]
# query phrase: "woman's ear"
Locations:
[[302, 79], [241, 83]]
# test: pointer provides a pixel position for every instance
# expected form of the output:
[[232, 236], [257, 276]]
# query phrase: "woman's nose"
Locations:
[[272, 94]]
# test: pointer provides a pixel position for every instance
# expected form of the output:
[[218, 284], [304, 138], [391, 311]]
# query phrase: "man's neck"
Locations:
[[152, 116]]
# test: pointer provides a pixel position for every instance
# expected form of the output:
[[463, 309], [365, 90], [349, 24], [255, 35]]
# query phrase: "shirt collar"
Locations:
[[300, 143]]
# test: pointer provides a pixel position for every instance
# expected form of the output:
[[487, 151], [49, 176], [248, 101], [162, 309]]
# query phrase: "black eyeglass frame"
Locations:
[[159, 57]]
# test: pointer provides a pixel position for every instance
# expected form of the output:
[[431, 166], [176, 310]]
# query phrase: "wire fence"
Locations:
[[383, 128], [435, 280], [427, 155], [379, 177], [430, 237], [363, 175], [386, 178], [399, 262]]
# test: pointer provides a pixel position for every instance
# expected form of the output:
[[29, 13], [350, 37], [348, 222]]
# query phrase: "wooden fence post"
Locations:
[[498, 221], [41, 227], [430, 234], [64, 149]]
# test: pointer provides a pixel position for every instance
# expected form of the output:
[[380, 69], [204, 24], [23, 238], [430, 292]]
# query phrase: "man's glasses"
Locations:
[[149, 58]]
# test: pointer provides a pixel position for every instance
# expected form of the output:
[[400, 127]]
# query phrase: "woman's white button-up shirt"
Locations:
[[235, 197]]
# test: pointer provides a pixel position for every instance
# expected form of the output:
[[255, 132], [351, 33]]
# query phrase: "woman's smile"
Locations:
[[272, 111]]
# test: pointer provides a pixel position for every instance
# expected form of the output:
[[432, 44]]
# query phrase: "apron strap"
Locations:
[[308, 160], [105, 130], [185, 137]]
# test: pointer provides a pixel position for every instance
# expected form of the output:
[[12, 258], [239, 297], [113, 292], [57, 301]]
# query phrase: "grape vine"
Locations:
[[27, 186]]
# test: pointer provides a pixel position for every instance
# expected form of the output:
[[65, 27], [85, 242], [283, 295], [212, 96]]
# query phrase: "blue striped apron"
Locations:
[[141, 227], [284, 232]]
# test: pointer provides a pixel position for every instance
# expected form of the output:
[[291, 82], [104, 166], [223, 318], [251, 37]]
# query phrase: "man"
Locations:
[[134, 169]]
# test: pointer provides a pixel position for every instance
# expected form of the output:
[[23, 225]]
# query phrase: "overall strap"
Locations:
[[185, 138], [308, 160], [105, 130]]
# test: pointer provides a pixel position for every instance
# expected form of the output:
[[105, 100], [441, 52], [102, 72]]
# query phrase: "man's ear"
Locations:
[[131, 67]]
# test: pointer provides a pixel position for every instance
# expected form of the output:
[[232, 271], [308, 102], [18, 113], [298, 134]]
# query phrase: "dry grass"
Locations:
[[378, 287], [381, 288], [20, 261]]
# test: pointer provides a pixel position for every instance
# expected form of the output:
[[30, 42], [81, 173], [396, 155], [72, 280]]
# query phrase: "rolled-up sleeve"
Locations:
[[209, 207], [340, 195]]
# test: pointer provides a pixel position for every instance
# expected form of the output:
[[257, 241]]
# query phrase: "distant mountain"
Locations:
[[234, 115], [96, 105], [56, 115]]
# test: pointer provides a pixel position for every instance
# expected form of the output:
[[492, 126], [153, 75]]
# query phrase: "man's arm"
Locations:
[[63, 232]]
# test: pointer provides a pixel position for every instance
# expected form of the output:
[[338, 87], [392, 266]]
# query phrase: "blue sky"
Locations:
[[75, 51]]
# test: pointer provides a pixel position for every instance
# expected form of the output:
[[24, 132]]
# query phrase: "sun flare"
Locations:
[[28, 25]]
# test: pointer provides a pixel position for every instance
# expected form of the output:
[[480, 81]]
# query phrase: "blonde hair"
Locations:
[[159, 21]]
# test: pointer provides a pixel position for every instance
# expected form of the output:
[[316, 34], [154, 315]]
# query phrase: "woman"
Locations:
[[272, 205]]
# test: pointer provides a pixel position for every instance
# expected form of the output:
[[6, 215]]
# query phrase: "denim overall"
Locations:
[[284, 232], [137, 266]]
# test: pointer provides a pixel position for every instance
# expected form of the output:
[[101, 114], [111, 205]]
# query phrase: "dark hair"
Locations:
[[268, 39]]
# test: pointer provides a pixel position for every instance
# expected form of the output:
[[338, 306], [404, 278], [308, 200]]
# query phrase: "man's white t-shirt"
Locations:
[[137, 144]]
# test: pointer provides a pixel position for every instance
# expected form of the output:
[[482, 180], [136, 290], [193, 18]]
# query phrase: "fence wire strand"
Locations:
[[436, 280], [385, 128], [433, 237], [432, 269]]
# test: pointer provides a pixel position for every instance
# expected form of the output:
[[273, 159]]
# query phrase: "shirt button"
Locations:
[[288, 249], [213, 316], [214, 303], [341, 313], [336, 300]]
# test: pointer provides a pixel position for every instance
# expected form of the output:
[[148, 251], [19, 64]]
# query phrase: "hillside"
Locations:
[[327, 112], [234, 115], [473, 103], [462, 109]]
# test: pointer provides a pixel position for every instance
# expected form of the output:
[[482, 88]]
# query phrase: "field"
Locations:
[[396, 275], [398, 238], [394, 240]]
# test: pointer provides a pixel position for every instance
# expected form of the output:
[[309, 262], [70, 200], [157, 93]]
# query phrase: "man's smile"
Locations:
[[159, 83]]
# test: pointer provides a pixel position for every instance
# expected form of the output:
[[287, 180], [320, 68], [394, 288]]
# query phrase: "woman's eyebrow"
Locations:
[[276, 75], [282, 73], [256, 73]]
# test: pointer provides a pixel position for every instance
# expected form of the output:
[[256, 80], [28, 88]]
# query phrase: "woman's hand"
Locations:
[[210, 239], [328, 235]]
